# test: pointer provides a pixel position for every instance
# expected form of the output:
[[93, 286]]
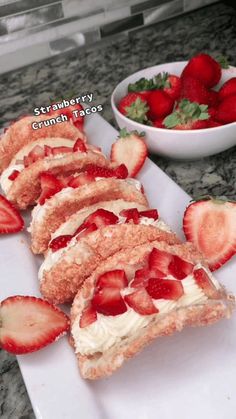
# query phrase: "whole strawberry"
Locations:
[[134, 106], [193, 90], [226, 111], [188, 115], [160, 104], [169, 83], [204, 68], [228, 88]]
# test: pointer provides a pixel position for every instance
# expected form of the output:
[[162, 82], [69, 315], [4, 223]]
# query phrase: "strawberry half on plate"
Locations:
[[211, 226], [27, 324], [10, 218]]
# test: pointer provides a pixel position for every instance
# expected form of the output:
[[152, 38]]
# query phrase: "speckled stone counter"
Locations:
[[98, 70]]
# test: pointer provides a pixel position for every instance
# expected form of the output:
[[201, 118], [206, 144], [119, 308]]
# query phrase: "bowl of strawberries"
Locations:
[[187, 109]]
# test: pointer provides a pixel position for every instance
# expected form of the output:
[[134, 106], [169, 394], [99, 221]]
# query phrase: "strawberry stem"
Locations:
[[223, 61]]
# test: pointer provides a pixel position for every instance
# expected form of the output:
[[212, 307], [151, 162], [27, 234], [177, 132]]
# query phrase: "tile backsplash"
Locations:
[[32, 30]]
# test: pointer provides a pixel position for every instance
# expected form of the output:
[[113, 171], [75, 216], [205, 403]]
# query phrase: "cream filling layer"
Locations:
[[110, 330]]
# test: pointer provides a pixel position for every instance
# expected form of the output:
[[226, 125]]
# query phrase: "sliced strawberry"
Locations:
[[80, 180], [88, 317], [108, 301], [211, 226], [80, 146], [112, 279], [152, 213], [159, 260], [121, 171], [165, 288], [36, 153], [48, 151], [143, 275], [85, 231], [141, 302], [14, 175], [204, 282], [61, 150], [27, 324], [101, 218], [97, 171], [10, 219], [131, 214], [60, 242], [50, 185], [180, 268], [27, 161], [65, 180], [131, 150]]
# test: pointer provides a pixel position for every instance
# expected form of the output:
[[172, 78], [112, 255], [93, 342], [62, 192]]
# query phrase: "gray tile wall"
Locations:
[[31, 30]]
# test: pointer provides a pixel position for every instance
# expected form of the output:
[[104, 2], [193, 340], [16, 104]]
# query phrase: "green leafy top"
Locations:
[[137, 111], [185, 112], [223, 61], [220, 200], [157, 82], [124, 133], [141, 85]]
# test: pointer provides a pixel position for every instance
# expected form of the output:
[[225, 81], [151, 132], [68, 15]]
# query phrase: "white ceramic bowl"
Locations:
[[189, 144]]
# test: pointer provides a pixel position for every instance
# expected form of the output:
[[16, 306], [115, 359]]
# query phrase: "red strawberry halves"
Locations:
[[129, 149], [10, 218], [211, 226], [27, 324]]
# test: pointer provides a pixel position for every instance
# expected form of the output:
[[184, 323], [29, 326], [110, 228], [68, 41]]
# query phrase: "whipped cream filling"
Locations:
[[107, 331], [4, 181], [53, 257]]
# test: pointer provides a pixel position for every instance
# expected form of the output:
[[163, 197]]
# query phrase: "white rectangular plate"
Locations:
[[189, 375]]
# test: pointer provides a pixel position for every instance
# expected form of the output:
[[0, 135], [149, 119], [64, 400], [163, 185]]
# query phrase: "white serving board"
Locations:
[[190, 375]]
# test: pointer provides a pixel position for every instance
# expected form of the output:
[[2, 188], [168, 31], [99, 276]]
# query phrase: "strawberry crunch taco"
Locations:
[[48, 217], [21, 181], [134, 297], [20, 133], [72, 257]]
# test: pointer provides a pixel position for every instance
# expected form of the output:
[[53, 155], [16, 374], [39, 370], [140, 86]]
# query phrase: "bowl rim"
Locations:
[[144, 127]]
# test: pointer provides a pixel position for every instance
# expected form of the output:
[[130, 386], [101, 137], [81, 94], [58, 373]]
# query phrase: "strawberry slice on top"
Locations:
[[108, 301], [60, 242], [129, 149], [27, 324], [141, 302], [10, 218], [112, 279], [50, 185], [211, 226]]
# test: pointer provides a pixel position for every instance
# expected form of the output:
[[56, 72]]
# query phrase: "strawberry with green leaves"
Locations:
[[188, 115], [135, 107], [169, 83]]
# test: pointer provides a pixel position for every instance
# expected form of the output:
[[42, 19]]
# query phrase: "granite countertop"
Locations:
[[98, 70]]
